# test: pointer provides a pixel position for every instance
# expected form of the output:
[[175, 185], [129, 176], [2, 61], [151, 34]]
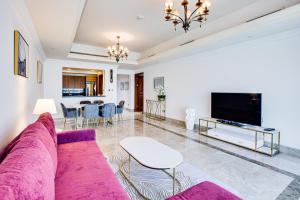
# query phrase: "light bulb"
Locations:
[[206, 4], [169, 6], [200, 11]]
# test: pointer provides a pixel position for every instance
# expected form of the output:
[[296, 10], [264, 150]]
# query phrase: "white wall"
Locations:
[[53, 82], [18, 94], [268, 65]]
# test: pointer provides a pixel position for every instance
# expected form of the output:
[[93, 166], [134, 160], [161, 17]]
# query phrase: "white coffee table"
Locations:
[[151, 154]]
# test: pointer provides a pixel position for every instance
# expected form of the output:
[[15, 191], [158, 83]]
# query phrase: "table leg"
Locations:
[[272, 144], [255, 142], [206, 127], [278, 142], [173, 181], [129, 166], [76, 123], [65, 122]]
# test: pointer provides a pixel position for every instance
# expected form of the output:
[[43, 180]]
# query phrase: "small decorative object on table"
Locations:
[[161, 96]]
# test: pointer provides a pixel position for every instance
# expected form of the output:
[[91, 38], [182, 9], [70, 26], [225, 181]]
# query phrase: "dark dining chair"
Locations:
[[98, 102], [85, 102], [120, 109], [69, 113]]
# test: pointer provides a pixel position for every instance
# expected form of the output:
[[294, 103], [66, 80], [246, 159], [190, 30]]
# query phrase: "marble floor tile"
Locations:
[[253, 175]]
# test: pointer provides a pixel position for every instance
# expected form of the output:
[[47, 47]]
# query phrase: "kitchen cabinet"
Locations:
[[74, 82]]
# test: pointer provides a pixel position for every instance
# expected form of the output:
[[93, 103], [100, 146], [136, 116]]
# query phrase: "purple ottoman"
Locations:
[[205, 191]]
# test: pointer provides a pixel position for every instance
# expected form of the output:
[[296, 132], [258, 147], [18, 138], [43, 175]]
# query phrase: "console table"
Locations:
[[156, 109], [247, 136]]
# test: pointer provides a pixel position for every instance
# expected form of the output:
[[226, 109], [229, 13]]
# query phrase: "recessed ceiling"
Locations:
[[56, 23], [101, 21], [92, 25]]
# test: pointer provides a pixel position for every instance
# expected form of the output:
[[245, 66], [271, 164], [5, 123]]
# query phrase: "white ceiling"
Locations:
[[89, 26], [102, 20], [56, 23]]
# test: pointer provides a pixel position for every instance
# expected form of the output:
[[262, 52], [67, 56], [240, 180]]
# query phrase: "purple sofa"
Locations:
[[205, 191], [40, 164]]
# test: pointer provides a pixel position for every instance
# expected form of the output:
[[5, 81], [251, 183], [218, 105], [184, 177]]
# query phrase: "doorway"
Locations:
[[139, 92]]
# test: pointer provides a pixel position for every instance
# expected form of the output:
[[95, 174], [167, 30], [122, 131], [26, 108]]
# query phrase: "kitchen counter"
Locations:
[[83, 96]]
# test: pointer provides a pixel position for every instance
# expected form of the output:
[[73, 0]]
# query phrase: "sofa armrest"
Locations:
[[76, 136]]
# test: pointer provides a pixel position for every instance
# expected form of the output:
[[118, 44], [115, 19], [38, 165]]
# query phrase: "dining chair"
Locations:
[[120, 109], [69, 113], [85, 102], [98, 102], [107, 112], [90, 114]]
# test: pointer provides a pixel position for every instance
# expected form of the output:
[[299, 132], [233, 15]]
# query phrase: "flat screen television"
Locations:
[[237, 107]]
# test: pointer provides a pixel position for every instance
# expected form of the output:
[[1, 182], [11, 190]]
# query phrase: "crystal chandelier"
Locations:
[[198, 15], [118, 51]]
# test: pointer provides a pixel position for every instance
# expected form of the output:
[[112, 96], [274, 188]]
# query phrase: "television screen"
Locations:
[[237, 107]]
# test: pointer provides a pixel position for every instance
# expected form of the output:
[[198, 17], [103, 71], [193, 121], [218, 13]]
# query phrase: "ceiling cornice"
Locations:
[[277, 22], [284, 20]]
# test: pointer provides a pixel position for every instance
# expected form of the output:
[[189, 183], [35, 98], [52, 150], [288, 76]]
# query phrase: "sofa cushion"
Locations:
[[47, 120], [7, 149], [27, 172], [205, 191], [39, 131], [83, 173], [6, 193], [76, 136]]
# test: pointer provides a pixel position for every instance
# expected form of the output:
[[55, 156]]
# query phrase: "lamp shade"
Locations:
[[44, 105]]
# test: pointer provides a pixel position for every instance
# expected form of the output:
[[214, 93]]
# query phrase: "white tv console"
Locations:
[[247, 136]]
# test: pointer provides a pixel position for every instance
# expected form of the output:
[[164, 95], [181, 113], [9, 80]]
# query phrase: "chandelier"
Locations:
[[118, 51], [198, 15]]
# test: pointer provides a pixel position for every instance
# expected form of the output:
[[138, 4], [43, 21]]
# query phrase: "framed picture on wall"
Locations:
[[126, 85], [21, 55], [122, 86], [158, 82], [39, 72]]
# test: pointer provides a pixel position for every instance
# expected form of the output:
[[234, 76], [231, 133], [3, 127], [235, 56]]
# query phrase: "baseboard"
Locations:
[[290, 151], [175, 121], [181, 123]]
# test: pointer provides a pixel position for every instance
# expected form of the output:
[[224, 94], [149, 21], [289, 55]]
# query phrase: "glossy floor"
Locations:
[[253, 175]]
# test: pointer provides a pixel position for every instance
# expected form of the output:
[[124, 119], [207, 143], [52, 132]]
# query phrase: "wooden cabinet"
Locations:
[[79, 81], [74, 82], [65, 79], [100, 84]]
